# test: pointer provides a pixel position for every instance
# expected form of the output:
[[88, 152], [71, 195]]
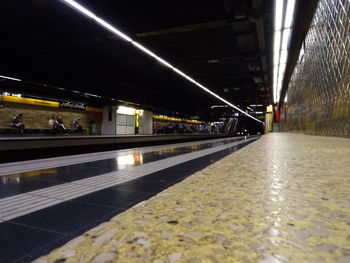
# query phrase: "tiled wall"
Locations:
[[319, 92], [37, 117]]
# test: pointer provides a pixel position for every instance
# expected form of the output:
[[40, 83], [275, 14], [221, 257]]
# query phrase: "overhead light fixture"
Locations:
[[213, 61], [91, 95], [284, 12], [283, 58], [285, 39], [288, 21], [10, 78], [219, 106], [75, 5], [279, 15], [126, 110]]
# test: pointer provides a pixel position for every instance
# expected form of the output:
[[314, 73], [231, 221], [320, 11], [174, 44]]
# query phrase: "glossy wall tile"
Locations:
[[319, 91]]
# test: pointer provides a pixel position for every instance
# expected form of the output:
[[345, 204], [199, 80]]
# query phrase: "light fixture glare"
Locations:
[[289, 14], [285, 39], [277, 47], [278, 14], [10, 78], [284, 56]]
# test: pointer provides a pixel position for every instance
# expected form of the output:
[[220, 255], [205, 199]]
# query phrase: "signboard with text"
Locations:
[[72, 105]]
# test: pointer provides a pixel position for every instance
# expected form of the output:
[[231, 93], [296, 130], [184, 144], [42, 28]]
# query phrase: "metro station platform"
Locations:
[[283, 198], [45, 203]]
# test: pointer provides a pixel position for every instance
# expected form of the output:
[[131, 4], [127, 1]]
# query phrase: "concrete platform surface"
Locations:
[[283, 198]]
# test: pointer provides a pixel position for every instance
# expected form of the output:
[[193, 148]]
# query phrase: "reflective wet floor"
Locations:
[[27, 181], [282, 198], [45, 203]]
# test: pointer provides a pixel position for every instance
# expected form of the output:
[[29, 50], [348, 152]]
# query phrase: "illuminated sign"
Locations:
[[22, 100], [194, 118], [47, 103], [166, 118], [126, 110], [194, 121], [12, 94]]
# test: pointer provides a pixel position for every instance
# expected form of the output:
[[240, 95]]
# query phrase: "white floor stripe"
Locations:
[[43, 202], [28, 211], [15, 206], [12, 206], [47, 163]]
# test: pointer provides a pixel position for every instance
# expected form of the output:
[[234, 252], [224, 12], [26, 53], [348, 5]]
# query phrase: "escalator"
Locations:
[[229, 126]]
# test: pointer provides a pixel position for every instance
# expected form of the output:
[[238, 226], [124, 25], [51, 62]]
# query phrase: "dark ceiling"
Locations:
[[224, 44]]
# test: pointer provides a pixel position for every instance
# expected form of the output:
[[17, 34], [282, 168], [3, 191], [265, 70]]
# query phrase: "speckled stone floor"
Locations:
[[283, 198]]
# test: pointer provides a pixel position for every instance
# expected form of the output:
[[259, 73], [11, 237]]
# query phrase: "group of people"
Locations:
[[55, 123], [170, 128]]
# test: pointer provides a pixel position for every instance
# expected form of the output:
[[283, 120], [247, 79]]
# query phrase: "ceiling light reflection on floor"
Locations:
[[129, 160]]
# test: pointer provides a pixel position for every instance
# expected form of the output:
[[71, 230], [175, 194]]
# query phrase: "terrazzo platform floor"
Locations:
[[283, 198]]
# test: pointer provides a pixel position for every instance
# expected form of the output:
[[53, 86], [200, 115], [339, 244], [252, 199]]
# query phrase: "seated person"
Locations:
[[17, 122], [77, 126], [60, 125], [53, 124]]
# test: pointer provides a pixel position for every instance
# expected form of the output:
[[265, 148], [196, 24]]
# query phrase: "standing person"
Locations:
[[77, 126], [17, 122]]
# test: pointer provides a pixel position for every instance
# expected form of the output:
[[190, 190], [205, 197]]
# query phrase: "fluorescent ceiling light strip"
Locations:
[[80, 8], [109, 27], [283, 57], [184, 75], [277, 47], [275, 72], [5, 77], [113, 29], [150, 53], [147, 51], [164, 62], [98, 20], [92, 95], [288, 21], [275, 75], [278, 14], [276, 54], [285, 39], [281, 72]]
